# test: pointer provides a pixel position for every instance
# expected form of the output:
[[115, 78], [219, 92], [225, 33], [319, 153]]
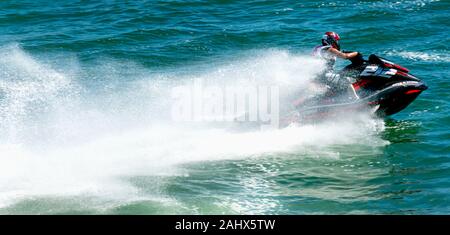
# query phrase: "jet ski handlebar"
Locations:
[[358, 59]]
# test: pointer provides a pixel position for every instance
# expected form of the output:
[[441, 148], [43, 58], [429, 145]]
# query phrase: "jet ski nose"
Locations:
[[423, 86]]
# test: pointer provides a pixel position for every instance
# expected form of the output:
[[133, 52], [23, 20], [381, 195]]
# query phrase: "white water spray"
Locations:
[[64, 134]]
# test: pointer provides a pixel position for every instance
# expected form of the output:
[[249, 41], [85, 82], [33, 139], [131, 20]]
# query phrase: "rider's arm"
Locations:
[[343, 55]]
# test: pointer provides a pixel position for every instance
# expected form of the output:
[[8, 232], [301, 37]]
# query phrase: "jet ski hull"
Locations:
[[397, 97]]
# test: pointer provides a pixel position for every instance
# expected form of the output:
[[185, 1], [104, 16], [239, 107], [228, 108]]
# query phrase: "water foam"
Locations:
[[421, 56], [63, 138]]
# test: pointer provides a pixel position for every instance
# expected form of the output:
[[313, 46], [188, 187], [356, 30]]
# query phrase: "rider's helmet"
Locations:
[[331, 39]]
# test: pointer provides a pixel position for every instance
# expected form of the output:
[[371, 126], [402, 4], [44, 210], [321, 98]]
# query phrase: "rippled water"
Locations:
[[84, 88]]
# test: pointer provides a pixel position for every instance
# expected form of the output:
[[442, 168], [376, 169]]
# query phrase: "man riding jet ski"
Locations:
[[375, 84], [332, 81], [330, 49]]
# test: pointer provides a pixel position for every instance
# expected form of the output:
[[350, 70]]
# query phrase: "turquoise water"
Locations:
[[84, 90]]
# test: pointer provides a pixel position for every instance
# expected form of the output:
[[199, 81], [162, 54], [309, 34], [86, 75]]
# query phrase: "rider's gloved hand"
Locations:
[[358, 59]]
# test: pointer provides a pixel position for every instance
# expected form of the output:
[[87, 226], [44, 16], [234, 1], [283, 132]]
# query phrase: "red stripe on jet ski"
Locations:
[[359, 84], [412, 92], [396, 66], [402, 73]]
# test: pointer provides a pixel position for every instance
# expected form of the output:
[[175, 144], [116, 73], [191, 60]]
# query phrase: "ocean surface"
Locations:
[[85, 96]]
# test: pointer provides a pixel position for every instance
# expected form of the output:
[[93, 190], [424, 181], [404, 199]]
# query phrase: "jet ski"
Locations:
[[377, 84]]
